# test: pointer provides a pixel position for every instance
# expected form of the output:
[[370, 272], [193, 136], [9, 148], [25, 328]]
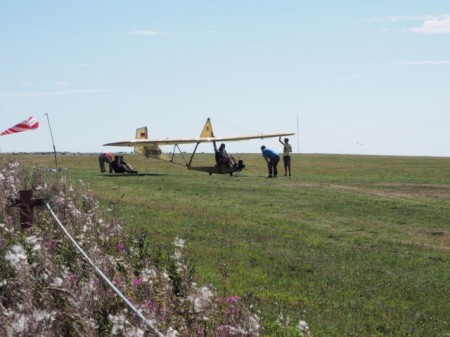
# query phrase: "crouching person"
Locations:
[[105, 158], [120, 166]]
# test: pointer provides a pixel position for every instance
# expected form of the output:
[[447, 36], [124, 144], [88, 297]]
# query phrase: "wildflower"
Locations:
[[137, 282], [13, 165], [57, 282], [228, 330], [304, 329], [2, 177], [60, 201], [33, 241], [148, 274], [231, 299], [120, 247], [43, 315], [3, 226], [118, 323], [20, 323], [179, 243], [253, 323], [171, 332], [201, 299], [15, 255], [151, 305]]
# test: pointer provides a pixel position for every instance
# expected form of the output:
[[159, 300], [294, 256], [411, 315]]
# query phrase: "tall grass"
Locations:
[[354, 245]]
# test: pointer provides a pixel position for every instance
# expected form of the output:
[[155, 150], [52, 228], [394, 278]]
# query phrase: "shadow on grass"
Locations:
[[120, 175]]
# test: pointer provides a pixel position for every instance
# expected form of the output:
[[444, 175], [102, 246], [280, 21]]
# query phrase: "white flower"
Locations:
[[253, 322], [304, 328], [179, 243], [171, 332], [13, 165], [201, 299], [2, 177], [15, 255], [118, 323], [43, 315], [19, 324], [148, 274], [31, 240], [57, 282]]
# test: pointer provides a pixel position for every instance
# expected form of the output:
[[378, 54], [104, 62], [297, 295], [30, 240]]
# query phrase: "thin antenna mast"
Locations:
[[298, 138]]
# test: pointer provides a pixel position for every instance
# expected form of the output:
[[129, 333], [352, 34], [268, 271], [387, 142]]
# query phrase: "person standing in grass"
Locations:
[[287, 149], [272, 158]]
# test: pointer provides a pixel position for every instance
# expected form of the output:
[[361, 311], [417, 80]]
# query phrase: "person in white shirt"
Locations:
[[287, 149]]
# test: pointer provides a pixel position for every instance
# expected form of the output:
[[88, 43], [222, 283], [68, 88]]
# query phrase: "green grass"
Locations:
[[355, 245]]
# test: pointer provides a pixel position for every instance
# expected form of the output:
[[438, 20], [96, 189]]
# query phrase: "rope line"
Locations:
[[104, 277]]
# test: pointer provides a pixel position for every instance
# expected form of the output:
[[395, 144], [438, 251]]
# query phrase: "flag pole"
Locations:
[[298, 137], [53, 142]]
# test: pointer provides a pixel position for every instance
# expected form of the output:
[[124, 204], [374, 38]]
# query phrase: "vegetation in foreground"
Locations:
[[48, 289], [354, 245]]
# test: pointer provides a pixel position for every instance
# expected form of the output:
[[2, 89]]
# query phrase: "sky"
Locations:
[[349, 77]]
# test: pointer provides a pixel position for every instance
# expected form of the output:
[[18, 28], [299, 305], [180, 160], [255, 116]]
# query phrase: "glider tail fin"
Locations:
[[207, 131], [151, 150]]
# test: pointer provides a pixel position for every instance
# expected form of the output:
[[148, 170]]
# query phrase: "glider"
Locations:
[[30, 123], [150, 147]]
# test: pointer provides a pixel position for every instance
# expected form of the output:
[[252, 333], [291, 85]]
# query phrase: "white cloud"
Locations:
[[408, 18], [431, 24], [434, 25]]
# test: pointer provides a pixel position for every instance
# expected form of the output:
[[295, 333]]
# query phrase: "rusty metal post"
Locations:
[[26, 208], [26, 204]]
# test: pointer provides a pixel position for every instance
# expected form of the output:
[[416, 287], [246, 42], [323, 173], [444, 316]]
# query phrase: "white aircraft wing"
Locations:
[[176, 141]]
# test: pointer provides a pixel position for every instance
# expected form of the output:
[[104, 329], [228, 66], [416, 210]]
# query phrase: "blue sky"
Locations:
[[353, 77]]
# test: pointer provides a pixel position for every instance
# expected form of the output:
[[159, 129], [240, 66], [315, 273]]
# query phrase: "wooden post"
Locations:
[[26, 204]]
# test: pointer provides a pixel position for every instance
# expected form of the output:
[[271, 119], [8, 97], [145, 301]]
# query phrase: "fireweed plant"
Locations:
[[48, 289]]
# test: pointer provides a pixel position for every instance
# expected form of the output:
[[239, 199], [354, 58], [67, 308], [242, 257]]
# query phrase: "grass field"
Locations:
[[354, 245]]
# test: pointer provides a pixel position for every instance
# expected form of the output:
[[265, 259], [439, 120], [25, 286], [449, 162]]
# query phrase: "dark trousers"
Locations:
[[273, 162]]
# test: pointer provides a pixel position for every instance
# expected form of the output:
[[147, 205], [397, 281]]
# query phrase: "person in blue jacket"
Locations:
[[272, 158]]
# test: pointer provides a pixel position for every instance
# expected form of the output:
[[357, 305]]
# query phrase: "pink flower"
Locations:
[[151, 305], [120, 247], [137, 282], [231, 299]]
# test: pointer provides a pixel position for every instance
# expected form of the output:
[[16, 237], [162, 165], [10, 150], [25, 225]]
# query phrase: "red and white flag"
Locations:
[[29, 124]]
